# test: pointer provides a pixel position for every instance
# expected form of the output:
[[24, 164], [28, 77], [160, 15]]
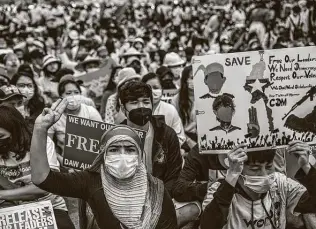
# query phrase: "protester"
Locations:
[[116, 179], [11, 63], [184, 103], [174, 62], [162, 108], [69, 88], [15, 146], [252, 189], [10, 95], [33, 102]]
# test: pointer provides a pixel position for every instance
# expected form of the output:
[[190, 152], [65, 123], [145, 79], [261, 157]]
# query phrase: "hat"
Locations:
[[67, 77], [20, 46], [132, 52], [89, 59], [73, 35], [139, 40], [125, 75], [10, 91], [173, 59], [101, 48], [213, 67], [48, 59]]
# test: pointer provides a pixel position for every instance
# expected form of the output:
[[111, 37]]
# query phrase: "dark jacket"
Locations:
[[88, 187], [167, 160], [196, 169]]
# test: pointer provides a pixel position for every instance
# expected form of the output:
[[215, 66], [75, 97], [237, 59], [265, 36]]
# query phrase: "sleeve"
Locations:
[[302, 199], [51, 130], [174, 160], [216, 205], [94, 114], [67, 184], [110, 110], [51, 155], [186, 187]]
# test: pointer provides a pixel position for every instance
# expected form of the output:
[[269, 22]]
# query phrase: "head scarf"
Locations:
[[136, 202]]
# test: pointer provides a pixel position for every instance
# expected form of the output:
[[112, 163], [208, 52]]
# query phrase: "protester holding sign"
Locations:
[[254, 194], [69, 88], [117, 179], [161, 108], [15, 168]]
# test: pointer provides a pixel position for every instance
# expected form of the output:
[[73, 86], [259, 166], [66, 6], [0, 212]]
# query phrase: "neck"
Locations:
[[73, 112], [133, 125], [225, 125], [155, 105]]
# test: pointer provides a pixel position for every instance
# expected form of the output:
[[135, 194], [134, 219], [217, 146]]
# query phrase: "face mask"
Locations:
[[121, 166], [73, 102], [28, 92], [140, 116], [157, 94], [259, 184], [4, 145]]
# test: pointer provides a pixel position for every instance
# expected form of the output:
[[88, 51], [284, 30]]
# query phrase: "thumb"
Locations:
[[45, 111]]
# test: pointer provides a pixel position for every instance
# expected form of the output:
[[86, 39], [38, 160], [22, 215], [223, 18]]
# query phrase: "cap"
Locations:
[[173, 59], [215, 67], [125, 75], [48, 59], [10, 91]]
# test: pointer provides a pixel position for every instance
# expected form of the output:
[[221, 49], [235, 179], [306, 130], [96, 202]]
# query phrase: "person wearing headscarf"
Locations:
[[117, 186]]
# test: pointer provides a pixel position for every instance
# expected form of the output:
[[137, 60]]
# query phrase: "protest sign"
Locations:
[[96, 81], [167, 95], [39, 215], [82, 141], [261, 98]]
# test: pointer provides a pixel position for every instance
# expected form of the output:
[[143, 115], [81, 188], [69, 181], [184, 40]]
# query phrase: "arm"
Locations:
[[217, 201], [186, 187], [177, 126], [174, 161], [29, 192]]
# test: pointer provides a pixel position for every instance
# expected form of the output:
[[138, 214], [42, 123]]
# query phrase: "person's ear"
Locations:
[[224, 80]]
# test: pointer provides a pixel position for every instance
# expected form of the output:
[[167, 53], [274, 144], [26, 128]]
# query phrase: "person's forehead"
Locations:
[[122, 143]]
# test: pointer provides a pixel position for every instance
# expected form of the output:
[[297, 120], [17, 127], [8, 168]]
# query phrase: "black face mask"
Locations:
[[4, 145], [140, 116], [168, 84]]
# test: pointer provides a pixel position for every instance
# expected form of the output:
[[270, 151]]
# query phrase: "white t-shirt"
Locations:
[[284, 191], [19, 172], [59, 128]]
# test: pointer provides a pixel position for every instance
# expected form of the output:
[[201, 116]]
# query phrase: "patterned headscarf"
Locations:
[[135, 202]]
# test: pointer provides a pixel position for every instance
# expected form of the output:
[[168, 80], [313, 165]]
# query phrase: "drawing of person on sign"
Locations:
[[213, 78], [224, 109]]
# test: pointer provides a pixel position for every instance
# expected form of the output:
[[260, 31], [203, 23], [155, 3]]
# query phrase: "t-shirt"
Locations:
[[59, 128], [147, 157], [284, 193], [19, 172]]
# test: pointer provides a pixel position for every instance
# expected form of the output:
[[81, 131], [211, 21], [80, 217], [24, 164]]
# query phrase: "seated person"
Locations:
[[117, 187], [254, 195]]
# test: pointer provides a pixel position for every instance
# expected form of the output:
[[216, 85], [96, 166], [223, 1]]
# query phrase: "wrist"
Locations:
[[40, 127], [306, 168], [232, 178]]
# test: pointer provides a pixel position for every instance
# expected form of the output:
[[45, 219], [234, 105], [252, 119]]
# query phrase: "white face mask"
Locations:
[[74, 102], [259, 184], [121, 166], [157, 94], [28, 92]]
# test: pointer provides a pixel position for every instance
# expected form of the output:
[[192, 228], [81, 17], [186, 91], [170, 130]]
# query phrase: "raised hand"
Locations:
[[236, 159], [302, 151], [253, 125], [51, 115]]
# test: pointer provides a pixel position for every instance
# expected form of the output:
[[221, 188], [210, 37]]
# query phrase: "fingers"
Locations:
[[255, 116], [60, 108], [55, 104]]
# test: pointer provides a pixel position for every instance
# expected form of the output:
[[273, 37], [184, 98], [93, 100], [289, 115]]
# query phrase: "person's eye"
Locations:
[[112, 150], [76, 92], [131, 150]]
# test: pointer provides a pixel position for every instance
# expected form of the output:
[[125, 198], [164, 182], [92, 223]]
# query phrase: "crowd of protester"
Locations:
[[145, 48]]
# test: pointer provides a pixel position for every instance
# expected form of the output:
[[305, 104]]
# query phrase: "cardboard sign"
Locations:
[[96, 81], [261, 98], [82, 141], [39, 215], [167, 95]]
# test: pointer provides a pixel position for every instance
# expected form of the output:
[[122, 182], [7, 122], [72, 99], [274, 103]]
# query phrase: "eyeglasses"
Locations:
[[22, 85]]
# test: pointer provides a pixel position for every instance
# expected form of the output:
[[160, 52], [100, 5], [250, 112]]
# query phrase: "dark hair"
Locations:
[[134, 90], [13, 121], [261, 156], [112, 85], [62, 86], [150, 76], [296, 9], [223, 101], [36, 103], [62, 72], [185, 104], [109, 44]]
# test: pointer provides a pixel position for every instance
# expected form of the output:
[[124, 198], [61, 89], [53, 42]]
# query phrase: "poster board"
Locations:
[[167, 95], [261, 98], [39, 215], [82, 141]]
